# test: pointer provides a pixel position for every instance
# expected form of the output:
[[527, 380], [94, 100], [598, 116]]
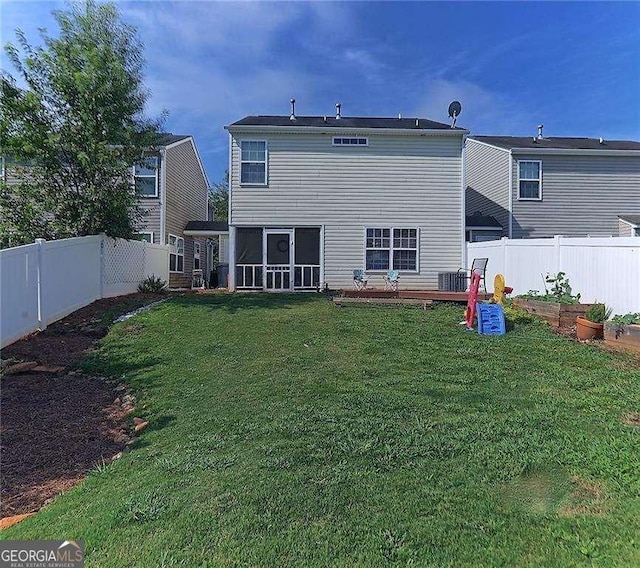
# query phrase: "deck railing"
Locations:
[[249, 276], [306, 276]]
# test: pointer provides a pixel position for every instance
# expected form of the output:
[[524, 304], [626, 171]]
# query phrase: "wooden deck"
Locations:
[[432, 295]]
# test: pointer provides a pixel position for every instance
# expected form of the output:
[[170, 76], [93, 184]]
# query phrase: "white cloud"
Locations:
[[483, 111]]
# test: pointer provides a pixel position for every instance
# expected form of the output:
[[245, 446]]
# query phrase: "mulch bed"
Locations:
[[56, 427]]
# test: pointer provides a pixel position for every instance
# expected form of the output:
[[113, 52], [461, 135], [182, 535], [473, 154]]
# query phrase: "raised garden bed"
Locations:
[[557, 314], [622, 336]]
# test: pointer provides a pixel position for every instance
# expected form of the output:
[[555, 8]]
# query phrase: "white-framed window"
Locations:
[[350, 141], [176, 253], [530, 180], [253, 162], [146, 236], [145, 176], [196, 255], [389, 248]]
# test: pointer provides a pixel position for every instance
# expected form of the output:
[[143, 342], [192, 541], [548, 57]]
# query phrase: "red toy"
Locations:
[[470, 312]]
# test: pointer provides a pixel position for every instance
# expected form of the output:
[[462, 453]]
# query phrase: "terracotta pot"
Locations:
[[586, 329]]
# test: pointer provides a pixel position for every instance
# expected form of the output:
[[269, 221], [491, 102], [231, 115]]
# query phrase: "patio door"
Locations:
[[278, 259]]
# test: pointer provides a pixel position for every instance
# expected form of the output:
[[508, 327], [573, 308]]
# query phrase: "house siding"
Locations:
[[625, 229], [581, 195], [152, 208], [487, 179], [186, 189], [394, 181]]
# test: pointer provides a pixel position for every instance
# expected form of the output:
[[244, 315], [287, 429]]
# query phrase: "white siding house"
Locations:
[[314, 198]]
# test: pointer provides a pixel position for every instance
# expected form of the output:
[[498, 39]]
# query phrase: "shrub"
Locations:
[[598, 313], [152, 285], [626, 319], [560, 292]]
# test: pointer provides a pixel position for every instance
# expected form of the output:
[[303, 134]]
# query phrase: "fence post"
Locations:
[[42, 316], [102, 271], [504, 241], [557, 244]]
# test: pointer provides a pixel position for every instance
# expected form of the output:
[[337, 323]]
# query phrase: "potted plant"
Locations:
[[623, 331], [591, 325]]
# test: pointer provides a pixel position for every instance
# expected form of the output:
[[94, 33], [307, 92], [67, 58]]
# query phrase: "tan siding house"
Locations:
[[574, 187], [175, 191], [313, 200]]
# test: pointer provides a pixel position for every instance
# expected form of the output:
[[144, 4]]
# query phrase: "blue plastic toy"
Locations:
[[490, 319]]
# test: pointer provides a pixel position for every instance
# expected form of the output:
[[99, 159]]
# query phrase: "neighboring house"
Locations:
[[174, 191], [312, 198], [541, 187]]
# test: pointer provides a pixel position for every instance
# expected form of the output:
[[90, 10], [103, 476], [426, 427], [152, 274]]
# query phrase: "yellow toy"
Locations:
[[498, 290]]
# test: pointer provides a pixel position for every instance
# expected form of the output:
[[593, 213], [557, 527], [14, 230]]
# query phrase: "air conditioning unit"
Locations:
[[452, 281]]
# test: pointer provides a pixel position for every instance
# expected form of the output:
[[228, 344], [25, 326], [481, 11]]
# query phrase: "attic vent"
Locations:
[[348, 141], [540, 127], [338, 111]]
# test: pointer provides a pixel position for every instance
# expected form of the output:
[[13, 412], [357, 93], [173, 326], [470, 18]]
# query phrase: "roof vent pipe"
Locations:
[[324, 118], [293, 109], [338, 113], [601, 140], [399, 116], [417, 123], [540, 127]]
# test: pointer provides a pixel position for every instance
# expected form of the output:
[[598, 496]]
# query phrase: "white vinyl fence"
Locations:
[[600, 269], [45, 281]]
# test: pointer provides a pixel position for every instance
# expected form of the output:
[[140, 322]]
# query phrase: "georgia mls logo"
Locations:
[[42, 554]]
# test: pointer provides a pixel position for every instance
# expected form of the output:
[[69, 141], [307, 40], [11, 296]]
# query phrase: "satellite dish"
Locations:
[[455, 108]]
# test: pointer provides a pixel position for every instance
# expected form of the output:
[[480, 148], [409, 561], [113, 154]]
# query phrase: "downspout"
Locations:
[[510, 194], [463, 200], [163, 196], [232, 230]]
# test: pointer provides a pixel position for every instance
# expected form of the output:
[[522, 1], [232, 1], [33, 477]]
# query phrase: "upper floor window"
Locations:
[[348, 141], [253, 162], [391, 248], [530, 179], [145, 175]]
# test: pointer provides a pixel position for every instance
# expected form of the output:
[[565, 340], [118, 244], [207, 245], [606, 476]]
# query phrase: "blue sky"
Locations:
[[575, 67]]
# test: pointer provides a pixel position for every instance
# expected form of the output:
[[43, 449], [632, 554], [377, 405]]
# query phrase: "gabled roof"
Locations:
[[344, 122], [211, 227], [480, 220], [166, 138], [633, 219], [554, 143]]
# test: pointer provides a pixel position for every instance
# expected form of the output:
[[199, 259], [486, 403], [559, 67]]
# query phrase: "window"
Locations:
[[344, 141], [146, 236], [253, 162], [145, 176], [391, 248], [176, 254], [530, 180], [196, 255]]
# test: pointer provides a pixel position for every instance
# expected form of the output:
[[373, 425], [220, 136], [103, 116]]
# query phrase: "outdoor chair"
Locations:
[[479, 265], [391, 280], [197, 278], [360, 279]]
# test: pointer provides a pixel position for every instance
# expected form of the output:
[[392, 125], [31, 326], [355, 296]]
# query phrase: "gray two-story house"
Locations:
[[313, 198], [174, 191], [531, 187]]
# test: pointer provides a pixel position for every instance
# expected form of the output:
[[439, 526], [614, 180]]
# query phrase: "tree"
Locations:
[[74, 128], [219, 196]]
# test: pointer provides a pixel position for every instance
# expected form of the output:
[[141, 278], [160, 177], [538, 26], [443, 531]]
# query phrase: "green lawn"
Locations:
[[287, 432]]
